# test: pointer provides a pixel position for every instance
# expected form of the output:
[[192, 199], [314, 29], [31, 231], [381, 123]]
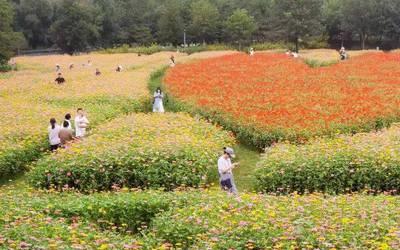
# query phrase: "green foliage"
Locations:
[[128, 212], [205, 19], [9, 40], [196, 220], [299, 19], [339, 165], [313, 63], [171, 24], [75, 27], [240, 25], [33, 19]]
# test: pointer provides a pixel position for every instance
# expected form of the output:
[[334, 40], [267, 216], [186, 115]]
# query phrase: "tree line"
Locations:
[[74, 25]]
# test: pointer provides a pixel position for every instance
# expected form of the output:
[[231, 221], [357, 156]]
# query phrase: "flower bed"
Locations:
[[271, 97], [196, 220], [368, 161], [139, 150]]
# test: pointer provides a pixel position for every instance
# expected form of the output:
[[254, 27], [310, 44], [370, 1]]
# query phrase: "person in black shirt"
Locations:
[[98, 72], [60, 79]]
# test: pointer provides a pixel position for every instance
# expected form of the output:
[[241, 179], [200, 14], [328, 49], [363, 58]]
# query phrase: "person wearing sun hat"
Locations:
[[225, 168]]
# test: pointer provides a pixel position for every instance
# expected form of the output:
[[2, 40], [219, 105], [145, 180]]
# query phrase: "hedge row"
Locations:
[[141, 150], [197, 220], [369, 161]]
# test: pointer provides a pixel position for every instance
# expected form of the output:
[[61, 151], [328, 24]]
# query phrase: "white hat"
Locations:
[[230, 152]]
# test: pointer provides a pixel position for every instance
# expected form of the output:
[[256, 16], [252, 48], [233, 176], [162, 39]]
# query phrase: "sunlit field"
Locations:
[[149, 181]]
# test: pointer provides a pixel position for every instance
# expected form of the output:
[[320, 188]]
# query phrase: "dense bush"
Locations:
[[140, 150], [5, 67], [127, 212], [196, 220], [340, 165]]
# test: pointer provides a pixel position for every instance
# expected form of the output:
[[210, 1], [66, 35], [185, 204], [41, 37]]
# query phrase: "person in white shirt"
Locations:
[[251, 52], [158, 106], [54, 139], [81, 123], [225, 168]]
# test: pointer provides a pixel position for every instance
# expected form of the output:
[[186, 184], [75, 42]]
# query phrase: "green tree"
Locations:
[[76, 27], [33, 18], [170, 24], [298, 19], [240, 26], [9, 40], [360, 17], [204, 20]]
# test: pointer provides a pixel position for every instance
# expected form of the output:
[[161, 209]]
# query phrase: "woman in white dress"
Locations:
[[81, 123], [158, 106]]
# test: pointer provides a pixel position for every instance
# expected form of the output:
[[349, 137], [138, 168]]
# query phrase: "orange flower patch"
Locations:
[[272, 92]]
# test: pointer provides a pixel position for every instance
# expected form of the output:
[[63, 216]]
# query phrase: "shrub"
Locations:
[[202, 219], [5, 67], [140, 150], [340, 165], [269, 46]]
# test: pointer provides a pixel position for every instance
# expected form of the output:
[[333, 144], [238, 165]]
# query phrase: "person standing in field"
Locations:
[[65, 135], [172, 61], [225, 168], [251, 52], [158, 106], [98, 72], [343, 54], [81, 123], [54, 139]]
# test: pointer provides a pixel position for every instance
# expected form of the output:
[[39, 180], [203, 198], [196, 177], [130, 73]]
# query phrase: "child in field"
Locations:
[[158, 106], [119, 68], [58, 68], [54, 138], [98, 72], [225, 168], [81, 123]]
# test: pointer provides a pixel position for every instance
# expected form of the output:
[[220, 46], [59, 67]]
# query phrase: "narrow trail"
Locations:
[[247, 156], [244, 174]]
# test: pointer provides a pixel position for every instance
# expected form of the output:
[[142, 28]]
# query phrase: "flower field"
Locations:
[[369, 161], [29, 97], [147, 181], [196, 220], [140, 150], [271, 97]]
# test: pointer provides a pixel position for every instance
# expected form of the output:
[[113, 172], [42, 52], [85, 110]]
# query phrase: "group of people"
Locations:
[[61, 80], [62, 135]]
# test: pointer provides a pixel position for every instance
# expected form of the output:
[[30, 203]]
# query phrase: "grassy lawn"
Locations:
[[248, 158]]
